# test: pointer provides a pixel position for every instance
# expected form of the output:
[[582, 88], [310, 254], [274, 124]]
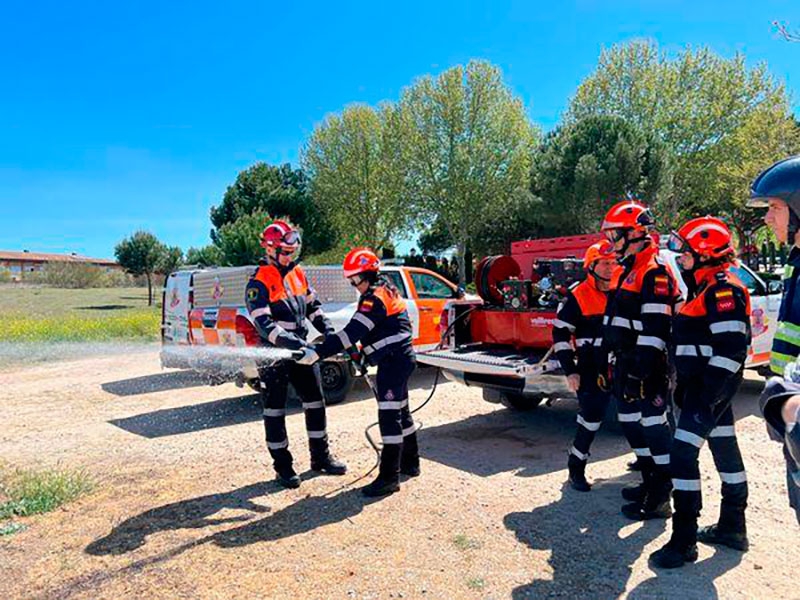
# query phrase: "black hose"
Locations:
[[375, 445]]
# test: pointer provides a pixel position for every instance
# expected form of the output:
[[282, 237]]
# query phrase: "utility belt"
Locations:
[[657, 382]]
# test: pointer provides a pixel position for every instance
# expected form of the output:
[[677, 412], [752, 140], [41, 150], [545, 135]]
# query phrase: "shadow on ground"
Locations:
[[307, 514], [535, 442], [105, 307], [216, 413], [592, 552], [195, 513], [158, 382], [530, 443]]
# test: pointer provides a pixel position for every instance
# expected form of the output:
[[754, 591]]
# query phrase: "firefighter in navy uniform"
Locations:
[[382, 326], [279, 300], [577, 333], [636, 329], [711, 336], [778, 188]]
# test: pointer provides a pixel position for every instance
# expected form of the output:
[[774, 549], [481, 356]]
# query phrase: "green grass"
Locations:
[[44, 314], [476, 583], [463, 542], [29, 492], [11, 528]]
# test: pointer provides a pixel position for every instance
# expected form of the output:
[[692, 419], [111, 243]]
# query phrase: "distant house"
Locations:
[[20, 263]]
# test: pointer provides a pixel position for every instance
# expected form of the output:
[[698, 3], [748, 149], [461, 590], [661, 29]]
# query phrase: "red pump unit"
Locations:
[[502, 321]]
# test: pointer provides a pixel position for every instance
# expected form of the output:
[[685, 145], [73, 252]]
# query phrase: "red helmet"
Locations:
[[282, 236], [360, 260], [707, 237], [597, 251], [628, 214]]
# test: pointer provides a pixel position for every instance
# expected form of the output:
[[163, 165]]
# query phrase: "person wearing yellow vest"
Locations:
[[279, 299], [778, 189], [382, 326]]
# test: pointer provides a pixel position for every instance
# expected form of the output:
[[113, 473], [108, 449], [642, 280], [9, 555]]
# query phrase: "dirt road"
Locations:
[[186, 508]]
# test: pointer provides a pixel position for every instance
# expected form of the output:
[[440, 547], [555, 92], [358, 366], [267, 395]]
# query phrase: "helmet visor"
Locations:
[[677, 244]]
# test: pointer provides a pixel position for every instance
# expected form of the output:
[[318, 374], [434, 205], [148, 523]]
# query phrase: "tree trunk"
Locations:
[[461, 248], [149, 289]]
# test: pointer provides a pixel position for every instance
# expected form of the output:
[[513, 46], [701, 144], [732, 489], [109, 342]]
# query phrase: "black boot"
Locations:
[[681, 547], [637, 493], [577, 474], [656, 503], [328, 464], [287, 477], [388, 480], [730, 531], [673, 555], [634, 465], [409, 458]]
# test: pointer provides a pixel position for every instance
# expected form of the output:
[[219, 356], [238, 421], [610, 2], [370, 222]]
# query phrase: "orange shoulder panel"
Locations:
[[272, 280], [392, 300], [591, 301], [296, 281]]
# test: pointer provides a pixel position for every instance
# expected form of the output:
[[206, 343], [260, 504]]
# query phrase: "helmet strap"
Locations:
[[630, 241]]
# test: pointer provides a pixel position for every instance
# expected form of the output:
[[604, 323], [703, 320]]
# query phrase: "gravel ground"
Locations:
[[186, 508]]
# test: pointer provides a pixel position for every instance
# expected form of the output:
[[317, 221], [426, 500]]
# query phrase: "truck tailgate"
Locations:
[[482, 360], [531, 372]]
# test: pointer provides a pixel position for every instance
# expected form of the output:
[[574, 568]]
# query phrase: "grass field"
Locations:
[[38, 314]]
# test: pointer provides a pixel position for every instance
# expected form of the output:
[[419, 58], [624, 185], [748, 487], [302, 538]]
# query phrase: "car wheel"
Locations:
[[516, 401], [337, 379]]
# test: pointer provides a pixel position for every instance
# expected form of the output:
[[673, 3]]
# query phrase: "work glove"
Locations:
[[634, 389], [309, 357], [353, 354]]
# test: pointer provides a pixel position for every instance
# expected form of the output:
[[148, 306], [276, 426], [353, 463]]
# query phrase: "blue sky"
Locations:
[[123, 115]]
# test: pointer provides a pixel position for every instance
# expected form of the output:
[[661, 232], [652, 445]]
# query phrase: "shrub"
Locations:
[[31, 492], [136, 325]]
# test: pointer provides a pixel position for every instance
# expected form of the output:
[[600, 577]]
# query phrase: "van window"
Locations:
[[429, 286], [397, 279], [750, 282]]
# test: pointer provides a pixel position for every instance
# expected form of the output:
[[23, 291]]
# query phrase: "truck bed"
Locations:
[[527, 372]]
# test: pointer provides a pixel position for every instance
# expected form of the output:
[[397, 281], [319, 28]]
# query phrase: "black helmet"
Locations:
[[782, 181]]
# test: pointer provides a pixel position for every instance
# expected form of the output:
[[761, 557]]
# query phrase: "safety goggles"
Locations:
[[291, 238], [614, 235], [677, 244]]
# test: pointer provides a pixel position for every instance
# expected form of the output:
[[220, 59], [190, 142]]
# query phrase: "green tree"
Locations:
[[207, 256], [139, 255], [357, 165], [702, 107], [585, 166], [280, 191], [239, 243], [469, 149], [171, 259]]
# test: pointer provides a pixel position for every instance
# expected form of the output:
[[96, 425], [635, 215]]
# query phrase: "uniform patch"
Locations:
[[661, 285], [389, 395], [252, 294], [658, 401], [366, 305], [725, 301]]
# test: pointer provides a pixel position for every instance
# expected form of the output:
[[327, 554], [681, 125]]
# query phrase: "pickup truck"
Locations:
[[493, 346], [203, 308]]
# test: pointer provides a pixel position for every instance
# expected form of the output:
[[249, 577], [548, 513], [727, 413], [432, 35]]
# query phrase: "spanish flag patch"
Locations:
[[661, 285], [366, 305], [725, 300]]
